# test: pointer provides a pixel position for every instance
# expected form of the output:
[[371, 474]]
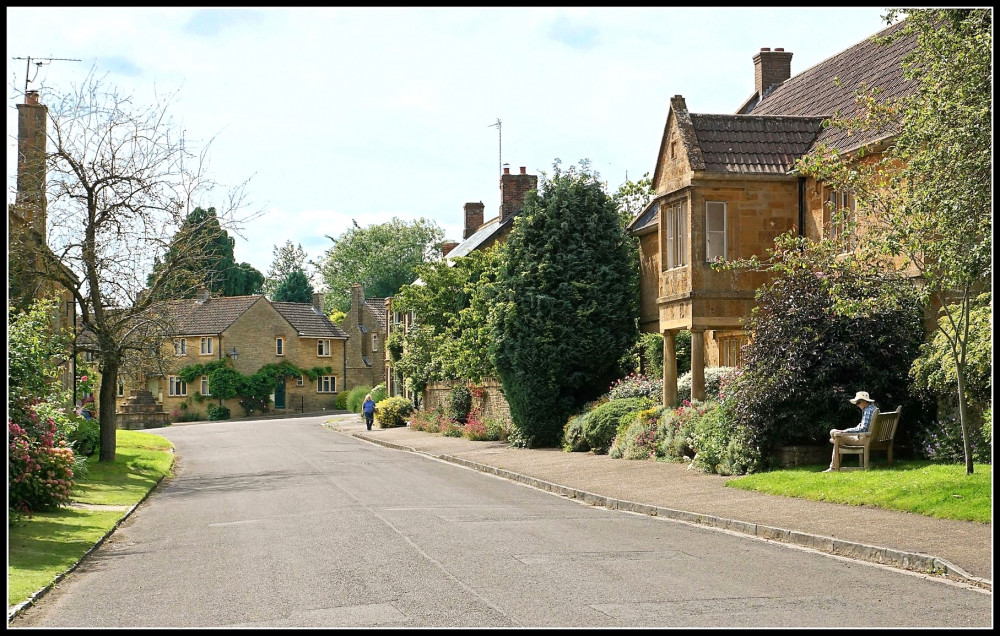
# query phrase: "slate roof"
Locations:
[[189, 317], [485, 232], [646, 218], [309, 321], [749, 144], [830, 86], [377, 307]]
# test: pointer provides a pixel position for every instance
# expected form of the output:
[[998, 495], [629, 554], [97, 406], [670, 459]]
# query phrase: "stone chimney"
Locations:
[[318, 301], [513, 188], [448, 246], [357, 297], [202, 295], [30, 198], [473, 218], [770, 69]]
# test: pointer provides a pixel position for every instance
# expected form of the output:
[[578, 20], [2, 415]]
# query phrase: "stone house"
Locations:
[[726, 187], [365, 327], [251, 331]]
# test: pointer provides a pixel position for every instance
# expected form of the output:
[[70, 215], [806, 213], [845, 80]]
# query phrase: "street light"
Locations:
[[234, 354]]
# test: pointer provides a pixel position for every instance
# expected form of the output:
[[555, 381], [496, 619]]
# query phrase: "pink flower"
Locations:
[[83, 378]]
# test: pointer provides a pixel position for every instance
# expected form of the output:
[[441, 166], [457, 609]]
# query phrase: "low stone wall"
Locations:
[[803, 455], [487, 397]]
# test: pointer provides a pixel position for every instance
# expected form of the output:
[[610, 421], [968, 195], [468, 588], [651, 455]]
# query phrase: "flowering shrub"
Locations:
[[637, 436], [942, 442], [715, 379], [636, 385], [601, 425], [40, 465], [478, 428], [393, 412]]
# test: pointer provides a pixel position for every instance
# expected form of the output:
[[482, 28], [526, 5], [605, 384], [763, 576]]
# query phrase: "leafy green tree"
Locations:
[[632, 197], [34, 351], [295, 288], [926, 202], [382, 258], [209, 252], [287, 258], [566, 303]]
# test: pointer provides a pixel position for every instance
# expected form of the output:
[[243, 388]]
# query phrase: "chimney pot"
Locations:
[[506, 170], [31, 97], [765, 48], [524, 170], [778, 49]]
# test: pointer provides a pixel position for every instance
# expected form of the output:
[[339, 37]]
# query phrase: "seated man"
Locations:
[[850, 435]]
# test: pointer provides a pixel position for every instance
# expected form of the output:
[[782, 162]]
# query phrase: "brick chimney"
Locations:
[[513, 189], [770, 69], [318, 301], [202, 295], [473, 218], [30, 198], [448, 246]]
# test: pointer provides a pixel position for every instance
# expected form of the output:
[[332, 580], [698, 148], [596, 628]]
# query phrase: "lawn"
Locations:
[[43, 547], [920, 487]]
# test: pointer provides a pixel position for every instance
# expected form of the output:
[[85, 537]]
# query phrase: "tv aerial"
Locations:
[[39, 61]]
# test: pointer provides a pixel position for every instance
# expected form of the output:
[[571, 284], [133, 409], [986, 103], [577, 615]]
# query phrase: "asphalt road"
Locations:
[[285, 523]]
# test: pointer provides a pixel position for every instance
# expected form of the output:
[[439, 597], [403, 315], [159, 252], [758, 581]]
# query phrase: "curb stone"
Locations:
[[911, 561]]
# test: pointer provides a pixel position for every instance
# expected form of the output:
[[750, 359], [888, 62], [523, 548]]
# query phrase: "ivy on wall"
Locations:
[[254, 391]]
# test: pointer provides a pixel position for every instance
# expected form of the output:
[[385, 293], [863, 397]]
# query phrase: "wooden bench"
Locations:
[[879, 437]]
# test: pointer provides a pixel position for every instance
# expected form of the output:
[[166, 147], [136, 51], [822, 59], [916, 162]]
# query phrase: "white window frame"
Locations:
[[88, 356], [326, 384], [374, 342], [300, 381], [204, 385], [323, 347], [180, 346], [177, 387], [676, 235], [207, 345], [715, 239], [837, 200], [279, 346]]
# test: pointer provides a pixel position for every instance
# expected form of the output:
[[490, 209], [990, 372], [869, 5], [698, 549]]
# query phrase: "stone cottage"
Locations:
[[365, 326]]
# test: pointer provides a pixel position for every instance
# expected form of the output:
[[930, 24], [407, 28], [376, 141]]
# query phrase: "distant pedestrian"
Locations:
[[368, 408], [852, 435]]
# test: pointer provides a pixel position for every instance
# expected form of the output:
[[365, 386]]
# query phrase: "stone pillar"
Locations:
[[669, 368], [698, 364]]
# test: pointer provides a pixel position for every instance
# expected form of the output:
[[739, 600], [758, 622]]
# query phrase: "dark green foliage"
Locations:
[[356, 397], [341, 401], [573, 440], [566, 304], [201, 254], [218, 412], [86, 439], [460, 402], [33, 349], [295, 288], [805, 359], [601, 425]]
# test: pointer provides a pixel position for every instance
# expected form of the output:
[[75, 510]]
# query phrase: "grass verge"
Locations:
[[41, 548], [920, 487]]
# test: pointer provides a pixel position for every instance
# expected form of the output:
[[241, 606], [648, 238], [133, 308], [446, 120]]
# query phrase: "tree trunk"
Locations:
[[108, 420], [964, 417]]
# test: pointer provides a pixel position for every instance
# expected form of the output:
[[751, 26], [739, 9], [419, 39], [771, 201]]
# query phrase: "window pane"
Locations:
[[715, 216]]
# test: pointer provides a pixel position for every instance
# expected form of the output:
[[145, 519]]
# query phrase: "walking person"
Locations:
[[368, 408], [864, 402]]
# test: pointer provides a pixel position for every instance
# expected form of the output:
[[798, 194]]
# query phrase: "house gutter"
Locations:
[[802, 206]]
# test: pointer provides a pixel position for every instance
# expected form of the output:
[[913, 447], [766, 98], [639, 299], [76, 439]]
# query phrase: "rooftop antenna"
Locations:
[[38, 63], [499, 126]]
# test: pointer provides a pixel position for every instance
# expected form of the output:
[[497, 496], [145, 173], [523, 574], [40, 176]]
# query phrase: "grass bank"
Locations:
[[919, 487], [43, 547]]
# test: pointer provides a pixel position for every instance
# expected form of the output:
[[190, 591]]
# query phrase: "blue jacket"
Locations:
[[368, 407]]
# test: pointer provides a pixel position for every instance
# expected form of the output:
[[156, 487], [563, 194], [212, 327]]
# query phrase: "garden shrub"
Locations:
[[497, 429], [450, 428], [601, 425], [356, 397], [340, 402], [942, 441], [718, 445], [428, 421], [573, 440], [477, 429], [675, 432], [187, 415], [392, 412], [637, 436], [378, 392], [218, 412], [40, 465], [459, 402], [715, 379], [86, 439], [636, 385], [806, 356]]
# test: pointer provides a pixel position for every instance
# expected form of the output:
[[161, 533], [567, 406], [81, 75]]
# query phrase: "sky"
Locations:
[[341, 115]]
